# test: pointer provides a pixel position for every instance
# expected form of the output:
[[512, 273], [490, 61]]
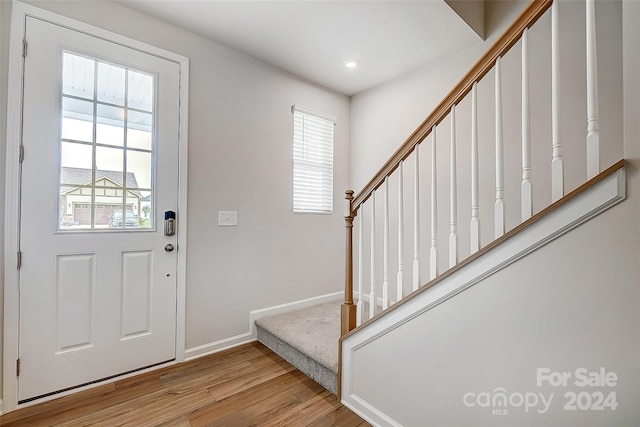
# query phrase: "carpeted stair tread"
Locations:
[[307, 338], [314, 331]]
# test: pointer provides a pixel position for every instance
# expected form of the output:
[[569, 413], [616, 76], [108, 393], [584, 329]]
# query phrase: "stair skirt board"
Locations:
[[315, 370]]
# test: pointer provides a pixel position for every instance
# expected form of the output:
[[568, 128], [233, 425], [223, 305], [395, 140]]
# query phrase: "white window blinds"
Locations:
[[312, 161]]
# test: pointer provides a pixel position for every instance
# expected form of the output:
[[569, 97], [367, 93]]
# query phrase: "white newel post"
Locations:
[[499, 205], [593, 132], [416, 221], [453, 194], [399, 277], [385, 248], [372, 291], [526, 188], [475, 208], [557, 168], [433, 250]]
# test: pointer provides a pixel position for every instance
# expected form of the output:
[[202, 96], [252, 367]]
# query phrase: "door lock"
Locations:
[[169, 247], [169, 223]]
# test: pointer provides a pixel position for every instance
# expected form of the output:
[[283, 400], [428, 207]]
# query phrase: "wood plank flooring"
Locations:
[[244, 386]]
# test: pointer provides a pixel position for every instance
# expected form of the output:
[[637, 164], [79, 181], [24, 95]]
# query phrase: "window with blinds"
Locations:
[[312, 161]]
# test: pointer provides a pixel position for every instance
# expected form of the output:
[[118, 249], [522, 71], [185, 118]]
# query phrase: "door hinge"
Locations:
[[17, 367], [19, 259], [24, 47], [21, 156]]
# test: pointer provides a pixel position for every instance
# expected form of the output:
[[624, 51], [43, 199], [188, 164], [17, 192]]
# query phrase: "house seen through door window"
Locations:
[[106, 146]]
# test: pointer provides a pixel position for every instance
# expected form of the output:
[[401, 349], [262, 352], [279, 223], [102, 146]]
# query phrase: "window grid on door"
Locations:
[[106, 146]]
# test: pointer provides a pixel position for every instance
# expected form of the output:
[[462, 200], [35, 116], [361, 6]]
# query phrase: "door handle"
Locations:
[[169, 247]]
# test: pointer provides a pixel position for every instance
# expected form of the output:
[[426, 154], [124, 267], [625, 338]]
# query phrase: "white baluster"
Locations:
[[360, 304], [526, 188], [453, 190], [593, 132], [372, 293], [385, 248], [400, 278], [416, 222], [499, 205], [433, 251], [475, 191], [557, 168]]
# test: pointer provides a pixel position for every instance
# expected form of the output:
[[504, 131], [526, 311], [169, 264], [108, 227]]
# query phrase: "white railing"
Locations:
[[466, 177]]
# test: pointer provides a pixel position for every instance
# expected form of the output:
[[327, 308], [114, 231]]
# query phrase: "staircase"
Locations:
[[396, 289]]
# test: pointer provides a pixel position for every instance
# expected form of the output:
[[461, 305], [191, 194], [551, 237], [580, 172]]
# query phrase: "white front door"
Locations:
[[98, 275]]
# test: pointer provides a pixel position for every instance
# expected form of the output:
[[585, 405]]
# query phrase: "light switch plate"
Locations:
[[227, 218]]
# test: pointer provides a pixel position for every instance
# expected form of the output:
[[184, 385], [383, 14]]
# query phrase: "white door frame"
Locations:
[[12, 194]]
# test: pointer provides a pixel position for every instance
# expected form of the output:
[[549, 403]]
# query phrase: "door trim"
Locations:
[[19, 13]]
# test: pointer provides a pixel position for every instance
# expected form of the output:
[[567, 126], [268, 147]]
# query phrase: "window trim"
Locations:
[[305, 111]]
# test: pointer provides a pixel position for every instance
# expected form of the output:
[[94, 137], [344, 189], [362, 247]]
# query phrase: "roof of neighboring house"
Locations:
[[80, 176]]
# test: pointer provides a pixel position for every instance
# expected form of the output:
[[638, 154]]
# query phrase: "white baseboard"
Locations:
[[216, 346], [230, 342]]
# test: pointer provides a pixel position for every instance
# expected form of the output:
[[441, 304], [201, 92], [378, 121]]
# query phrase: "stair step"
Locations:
[[308, 339]]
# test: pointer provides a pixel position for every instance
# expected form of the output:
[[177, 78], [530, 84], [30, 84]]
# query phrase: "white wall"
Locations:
[[384, 117], [240, 142]]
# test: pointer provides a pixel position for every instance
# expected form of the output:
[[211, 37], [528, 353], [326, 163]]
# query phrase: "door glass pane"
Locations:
[[78, 75], [106, 157], [140, 94], [139, 163], [146, 210], [76, 156], [139, 130], [77, 119], [112, 216], [139, 139], [108, 161], [110, 125], [75, 210], [111, 84]]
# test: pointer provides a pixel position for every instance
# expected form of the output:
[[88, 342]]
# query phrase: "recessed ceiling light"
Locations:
[[352, 63]]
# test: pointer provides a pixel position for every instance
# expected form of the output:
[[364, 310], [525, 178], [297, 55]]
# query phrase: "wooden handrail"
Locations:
[[526, 19]]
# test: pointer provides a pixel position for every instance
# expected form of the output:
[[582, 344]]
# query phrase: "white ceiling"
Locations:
[[313, 39]]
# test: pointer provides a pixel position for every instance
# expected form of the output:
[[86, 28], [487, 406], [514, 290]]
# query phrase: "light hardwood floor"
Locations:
[[245, 386]]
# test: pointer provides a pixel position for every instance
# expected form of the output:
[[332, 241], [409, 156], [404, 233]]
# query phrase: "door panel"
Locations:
[[136, 289], [97, 289], [75, 288]]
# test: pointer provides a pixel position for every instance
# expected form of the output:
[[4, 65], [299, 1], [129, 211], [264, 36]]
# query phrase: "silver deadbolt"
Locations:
[[169, 247], [169, 223]]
